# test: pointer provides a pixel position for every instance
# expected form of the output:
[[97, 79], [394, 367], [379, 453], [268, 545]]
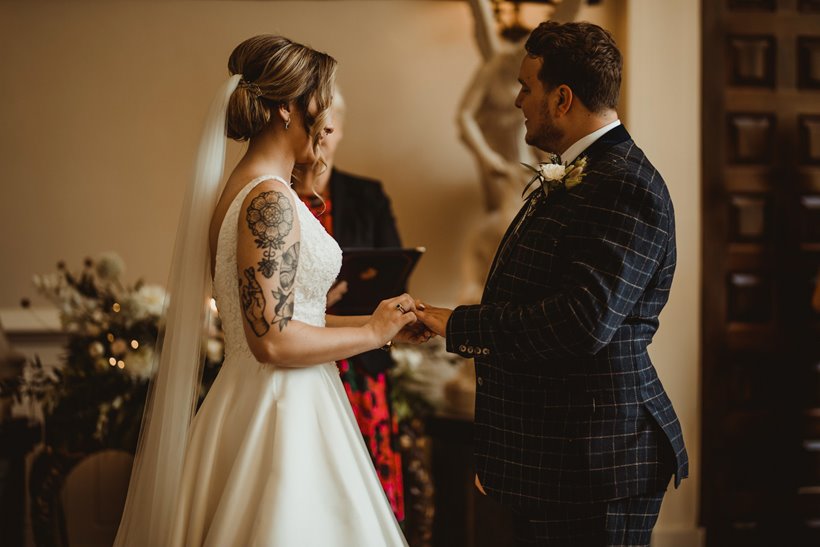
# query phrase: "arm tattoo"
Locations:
[[253, 303], [290, 260], [270, 218], [283, 312]]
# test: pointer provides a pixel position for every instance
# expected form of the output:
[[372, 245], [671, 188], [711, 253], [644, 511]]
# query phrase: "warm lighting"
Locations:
[[112, 361], [213, 305], [121, 364], [116, 307], [508, 16], [110, 337], [135, 344]]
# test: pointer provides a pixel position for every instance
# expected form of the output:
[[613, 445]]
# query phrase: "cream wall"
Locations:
[[663, 94], [101, 106]]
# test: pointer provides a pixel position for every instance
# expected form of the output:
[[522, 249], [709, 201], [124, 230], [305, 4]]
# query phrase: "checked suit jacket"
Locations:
[[569, 407]]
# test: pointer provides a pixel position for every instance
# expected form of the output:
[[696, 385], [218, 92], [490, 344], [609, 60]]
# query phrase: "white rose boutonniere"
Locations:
[[551, 171], [552, 175]]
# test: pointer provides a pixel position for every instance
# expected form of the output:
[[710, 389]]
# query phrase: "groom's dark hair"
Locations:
[[582, 56]]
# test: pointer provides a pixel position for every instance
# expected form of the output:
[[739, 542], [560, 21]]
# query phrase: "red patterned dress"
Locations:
[[369, 397]]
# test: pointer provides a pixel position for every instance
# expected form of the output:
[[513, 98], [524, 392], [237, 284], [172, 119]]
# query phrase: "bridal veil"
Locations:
[[154, 489]]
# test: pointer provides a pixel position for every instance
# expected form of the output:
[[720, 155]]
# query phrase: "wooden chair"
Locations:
[[93, 497]]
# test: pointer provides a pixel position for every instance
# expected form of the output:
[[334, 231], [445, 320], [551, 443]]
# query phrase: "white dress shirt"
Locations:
[[583, 143]]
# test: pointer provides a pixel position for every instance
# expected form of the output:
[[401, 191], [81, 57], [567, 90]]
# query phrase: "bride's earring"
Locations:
[[287, 124]]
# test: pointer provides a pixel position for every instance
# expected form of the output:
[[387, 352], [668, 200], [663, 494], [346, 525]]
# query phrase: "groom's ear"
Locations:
[[564, 98]]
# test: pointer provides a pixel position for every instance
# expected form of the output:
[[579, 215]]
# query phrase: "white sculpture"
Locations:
[[493, 129]]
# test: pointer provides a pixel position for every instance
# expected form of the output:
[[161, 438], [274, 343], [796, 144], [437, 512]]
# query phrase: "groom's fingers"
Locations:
[[430, 320], [408, 318]]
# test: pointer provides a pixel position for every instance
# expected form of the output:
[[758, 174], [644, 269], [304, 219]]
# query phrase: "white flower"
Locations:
[[139, 364], [109, 266], [407, 359], [54, 287], [552, 171], [148, 301]]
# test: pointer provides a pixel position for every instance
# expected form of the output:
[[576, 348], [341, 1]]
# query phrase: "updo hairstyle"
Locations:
[[278, 71]]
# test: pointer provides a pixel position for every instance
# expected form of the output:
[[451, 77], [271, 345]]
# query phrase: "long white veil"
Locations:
[[153, 493]]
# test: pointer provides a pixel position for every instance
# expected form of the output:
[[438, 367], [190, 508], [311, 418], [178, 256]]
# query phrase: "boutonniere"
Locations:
[[553, 174]]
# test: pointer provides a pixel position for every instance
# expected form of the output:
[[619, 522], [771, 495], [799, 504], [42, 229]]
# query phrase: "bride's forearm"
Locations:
[[302, 345], [335, 321]]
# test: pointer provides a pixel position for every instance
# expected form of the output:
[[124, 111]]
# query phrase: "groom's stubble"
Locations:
[[550, 135]]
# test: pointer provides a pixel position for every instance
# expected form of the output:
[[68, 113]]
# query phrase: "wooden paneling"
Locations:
[[761, 254]]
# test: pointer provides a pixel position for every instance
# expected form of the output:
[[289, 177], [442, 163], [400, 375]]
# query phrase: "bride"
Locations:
[[273, 457]]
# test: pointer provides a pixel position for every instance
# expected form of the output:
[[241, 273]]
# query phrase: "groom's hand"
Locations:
[[434, 318], [414, 333]]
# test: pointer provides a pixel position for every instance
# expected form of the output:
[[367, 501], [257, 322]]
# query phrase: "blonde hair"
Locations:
[[278, 71]]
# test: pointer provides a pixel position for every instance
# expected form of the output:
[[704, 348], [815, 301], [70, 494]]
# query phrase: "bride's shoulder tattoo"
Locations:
[[270, 219]]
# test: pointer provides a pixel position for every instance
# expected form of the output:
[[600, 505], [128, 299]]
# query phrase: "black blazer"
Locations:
[[569, 407], [362, 217]]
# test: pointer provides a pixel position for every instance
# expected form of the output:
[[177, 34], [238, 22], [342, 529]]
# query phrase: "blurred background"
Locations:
[[101, 106]]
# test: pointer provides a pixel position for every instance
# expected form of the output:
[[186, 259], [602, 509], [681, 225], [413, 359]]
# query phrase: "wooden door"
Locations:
[[761, 253]]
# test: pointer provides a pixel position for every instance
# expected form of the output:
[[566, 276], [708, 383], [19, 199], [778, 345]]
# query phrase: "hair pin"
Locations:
[[250, 86]]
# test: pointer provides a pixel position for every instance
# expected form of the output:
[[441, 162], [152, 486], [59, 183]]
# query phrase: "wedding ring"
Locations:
[[400, 308]]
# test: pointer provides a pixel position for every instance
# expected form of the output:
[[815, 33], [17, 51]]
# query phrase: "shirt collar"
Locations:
[[571, 153]]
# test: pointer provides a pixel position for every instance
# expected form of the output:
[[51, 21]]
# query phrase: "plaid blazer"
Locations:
[[569, 407]]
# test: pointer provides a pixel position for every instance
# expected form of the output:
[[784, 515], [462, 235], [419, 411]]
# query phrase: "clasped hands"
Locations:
[[407, 319]]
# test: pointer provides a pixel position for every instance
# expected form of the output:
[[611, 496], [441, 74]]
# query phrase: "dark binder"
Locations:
[[373, 275]]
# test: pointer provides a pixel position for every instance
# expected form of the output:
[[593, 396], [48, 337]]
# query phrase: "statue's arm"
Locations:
[[485, 31]]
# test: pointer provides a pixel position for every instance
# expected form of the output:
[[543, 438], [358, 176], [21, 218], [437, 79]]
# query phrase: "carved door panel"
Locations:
[[761, 253]]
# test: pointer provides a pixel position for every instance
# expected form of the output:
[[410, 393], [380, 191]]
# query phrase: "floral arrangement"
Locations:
[[553, 174], [419, 378], [97, 397]]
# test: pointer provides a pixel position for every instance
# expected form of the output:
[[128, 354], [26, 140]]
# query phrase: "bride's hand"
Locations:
[[390, 317]]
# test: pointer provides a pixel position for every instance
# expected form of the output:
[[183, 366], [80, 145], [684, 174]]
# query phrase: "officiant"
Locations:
[[357, 213]]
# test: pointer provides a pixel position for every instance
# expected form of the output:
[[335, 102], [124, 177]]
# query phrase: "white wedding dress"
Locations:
[[275, 456]]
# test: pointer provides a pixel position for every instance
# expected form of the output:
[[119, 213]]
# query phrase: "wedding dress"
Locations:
[[275, 457]]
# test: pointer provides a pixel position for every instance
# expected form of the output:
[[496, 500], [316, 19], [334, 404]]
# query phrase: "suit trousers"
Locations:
[[615, 523]]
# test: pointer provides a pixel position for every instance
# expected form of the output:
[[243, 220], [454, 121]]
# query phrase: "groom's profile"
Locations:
[[573, 429]]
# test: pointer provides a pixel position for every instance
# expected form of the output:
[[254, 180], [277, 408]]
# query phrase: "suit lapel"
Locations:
[[609, 139], [510, 236]]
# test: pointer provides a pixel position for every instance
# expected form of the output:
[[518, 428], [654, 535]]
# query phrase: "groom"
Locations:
[[573, 429]]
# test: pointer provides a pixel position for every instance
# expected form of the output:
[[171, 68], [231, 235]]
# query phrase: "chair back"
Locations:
[[93, 497]]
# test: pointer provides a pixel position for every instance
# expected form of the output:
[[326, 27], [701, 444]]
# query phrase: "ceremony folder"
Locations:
[[373, 275]]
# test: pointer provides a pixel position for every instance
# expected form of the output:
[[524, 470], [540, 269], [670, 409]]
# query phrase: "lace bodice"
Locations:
[[319, 261]]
